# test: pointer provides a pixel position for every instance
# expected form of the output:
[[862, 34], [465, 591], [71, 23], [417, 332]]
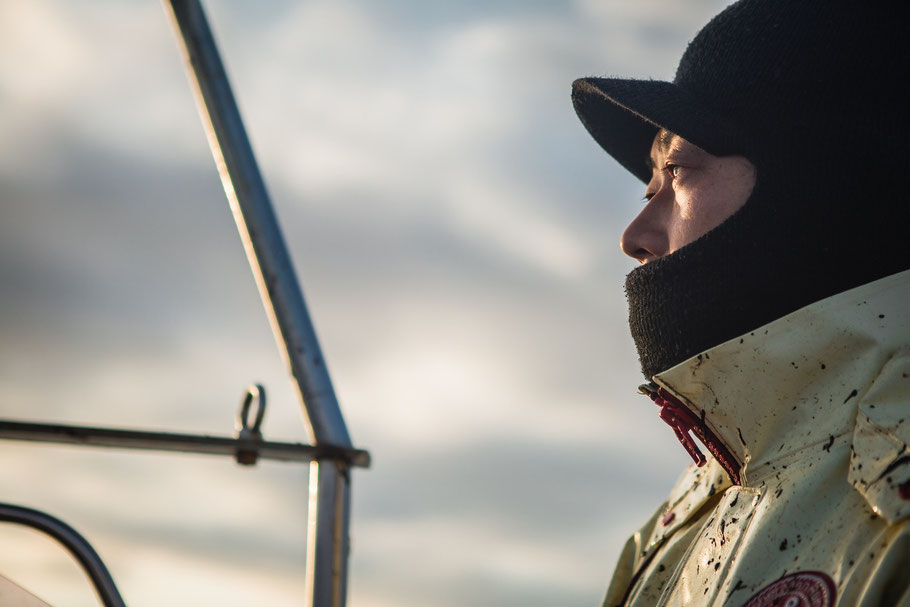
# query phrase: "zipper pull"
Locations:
[[677, 417]]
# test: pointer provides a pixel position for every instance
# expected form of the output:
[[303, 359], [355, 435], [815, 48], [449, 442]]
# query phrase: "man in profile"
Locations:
[[771, 311]]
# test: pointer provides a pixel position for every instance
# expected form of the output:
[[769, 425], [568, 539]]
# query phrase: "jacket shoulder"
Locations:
[[880, 458], [693, 489]]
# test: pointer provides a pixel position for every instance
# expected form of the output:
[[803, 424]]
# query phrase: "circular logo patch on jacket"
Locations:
[[804, 589]]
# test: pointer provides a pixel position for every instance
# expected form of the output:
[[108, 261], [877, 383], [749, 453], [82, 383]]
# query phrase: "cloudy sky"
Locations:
[[455, 231]]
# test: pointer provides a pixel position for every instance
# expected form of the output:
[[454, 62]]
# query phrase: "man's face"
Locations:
[[690, 193]]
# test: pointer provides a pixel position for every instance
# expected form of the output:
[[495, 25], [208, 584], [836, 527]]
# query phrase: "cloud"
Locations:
[[454, 229]]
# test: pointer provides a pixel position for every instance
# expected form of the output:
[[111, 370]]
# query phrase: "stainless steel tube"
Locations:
[[271, 264], [184, 443], [327, 534], [258, 226], [73, 541]]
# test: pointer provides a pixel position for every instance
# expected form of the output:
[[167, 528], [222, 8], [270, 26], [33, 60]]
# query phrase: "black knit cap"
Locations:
[[813, 93]]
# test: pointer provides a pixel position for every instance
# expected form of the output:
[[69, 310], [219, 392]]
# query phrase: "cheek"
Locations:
[[704, 205], [689, 204], [689, 221], [691, 216]]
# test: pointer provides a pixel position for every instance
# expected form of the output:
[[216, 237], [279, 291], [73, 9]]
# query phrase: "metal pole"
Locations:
[[280, 291], [182, 443], [70, 539]]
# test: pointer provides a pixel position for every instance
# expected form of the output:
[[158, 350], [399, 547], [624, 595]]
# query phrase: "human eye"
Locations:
[[672, 170]]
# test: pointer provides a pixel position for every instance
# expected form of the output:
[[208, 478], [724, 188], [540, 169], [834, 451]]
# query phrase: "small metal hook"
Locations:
[[255, 393]]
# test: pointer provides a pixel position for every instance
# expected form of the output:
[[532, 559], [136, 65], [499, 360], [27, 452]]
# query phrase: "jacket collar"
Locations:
[[794, 382]]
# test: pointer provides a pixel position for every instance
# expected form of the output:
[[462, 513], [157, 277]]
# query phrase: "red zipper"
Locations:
[[683, 421]]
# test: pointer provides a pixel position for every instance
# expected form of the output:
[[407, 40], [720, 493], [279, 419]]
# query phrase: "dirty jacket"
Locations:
[[814, 409]]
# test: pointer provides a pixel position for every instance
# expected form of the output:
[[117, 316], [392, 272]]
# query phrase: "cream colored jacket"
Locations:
[[815, 409]]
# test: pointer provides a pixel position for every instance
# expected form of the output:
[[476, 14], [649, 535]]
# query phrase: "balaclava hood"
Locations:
[[812, 92]]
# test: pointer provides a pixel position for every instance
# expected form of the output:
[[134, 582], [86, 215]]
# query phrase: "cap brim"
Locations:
[[624, 115]]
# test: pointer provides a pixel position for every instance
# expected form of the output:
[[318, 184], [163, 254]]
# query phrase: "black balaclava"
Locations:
[[812, 93]]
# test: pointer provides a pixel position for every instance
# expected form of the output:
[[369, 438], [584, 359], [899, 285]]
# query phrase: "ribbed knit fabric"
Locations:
[[812, 92]]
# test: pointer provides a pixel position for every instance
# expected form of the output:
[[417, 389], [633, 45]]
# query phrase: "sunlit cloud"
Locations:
[[455, 231]]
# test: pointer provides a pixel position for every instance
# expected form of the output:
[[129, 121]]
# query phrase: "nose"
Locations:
[[646, 238]]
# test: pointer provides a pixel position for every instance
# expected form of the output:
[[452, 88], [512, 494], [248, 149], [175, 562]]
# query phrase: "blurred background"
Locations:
[[456, 233]]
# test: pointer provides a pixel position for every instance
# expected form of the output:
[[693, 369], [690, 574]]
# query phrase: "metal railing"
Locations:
[[329, 509], [74, 543], [331, 455]]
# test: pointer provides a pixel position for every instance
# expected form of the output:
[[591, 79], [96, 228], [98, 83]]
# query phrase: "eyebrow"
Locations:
[[664, 137]]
